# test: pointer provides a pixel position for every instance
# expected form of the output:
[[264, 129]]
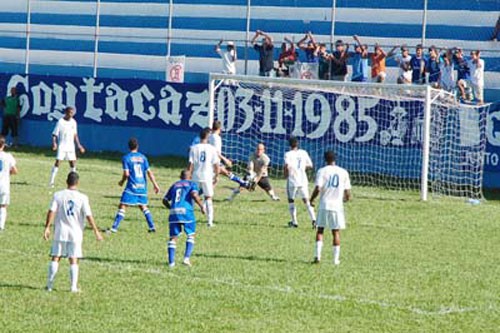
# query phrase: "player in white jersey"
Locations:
[[64, 137], [68, 210], [7, 168], [297, 161], [204, 166], [334, 188], [215, 140]]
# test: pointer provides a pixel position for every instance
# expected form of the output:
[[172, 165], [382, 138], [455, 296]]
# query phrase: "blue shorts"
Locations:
[[130, 199], [176, 228]]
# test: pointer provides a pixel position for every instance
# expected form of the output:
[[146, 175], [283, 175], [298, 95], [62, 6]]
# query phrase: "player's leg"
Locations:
[[291, 192], [310, 209], [72, 165], [319, 245], [74, 271], [336, 246], [149, 217], [189, 229], [53, 268], [234, 193], [266, 186], [208, 190], [3, 212], [233, 177], [54, 171], [174, 231], [14, 132], [120, 215]]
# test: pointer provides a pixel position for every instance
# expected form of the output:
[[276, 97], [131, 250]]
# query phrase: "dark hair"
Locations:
[[294, 142], [72, 178], [216, 125], [330, 156], [68, 108], [205, 133], [133, 143], [184, 173]]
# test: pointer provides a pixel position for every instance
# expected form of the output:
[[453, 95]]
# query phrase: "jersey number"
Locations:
[[138, 171], [178, 195], [299, 160], [71, 206], [203, 156], [333, 181]]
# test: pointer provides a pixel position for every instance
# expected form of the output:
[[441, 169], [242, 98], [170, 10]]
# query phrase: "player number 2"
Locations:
[[71, 207], [333, 181]]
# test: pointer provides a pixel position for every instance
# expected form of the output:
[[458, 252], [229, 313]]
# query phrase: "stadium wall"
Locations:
[[133, 38]]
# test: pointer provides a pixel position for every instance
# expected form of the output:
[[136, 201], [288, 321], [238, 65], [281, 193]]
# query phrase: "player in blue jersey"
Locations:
[[179, 199], [135, 169]]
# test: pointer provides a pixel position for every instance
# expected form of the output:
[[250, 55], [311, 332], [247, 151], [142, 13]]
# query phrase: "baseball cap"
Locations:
[[230, 43]]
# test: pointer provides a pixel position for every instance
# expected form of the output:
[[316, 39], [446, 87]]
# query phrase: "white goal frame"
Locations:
[[425, 93]]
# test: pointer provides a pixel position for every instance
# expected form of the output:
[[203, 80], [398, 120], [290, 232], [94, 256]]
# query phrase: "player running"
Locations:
[[8, 167], [216, 141], [135, 169], [334, 187], [258, 165], [179, 199], [64, 137], [297, 161], [204, 166], [68, 209]]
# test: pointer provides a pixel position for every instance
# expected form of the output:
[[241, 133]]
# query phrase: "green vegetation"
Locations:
[[407, 266]]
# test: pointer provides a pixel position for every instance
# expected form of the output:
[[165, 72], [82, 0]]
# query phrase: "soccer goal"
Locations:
[[394, 136]]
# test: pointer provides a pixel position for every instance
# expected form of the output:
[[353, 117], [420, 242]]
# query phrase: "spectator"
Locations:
[[11, 115], [266, 63], [323, 62], [403, 61], [476, 65], [360, 62], [463, 71], [309, 46], [496, 30], [447, 77], [418, 65], [228, 57], [378, 64], [432, 67], [287, 58], [338, 61]]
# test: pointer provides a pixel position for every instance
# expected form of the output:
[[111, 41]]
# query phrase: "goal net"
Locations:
[[399, 137]]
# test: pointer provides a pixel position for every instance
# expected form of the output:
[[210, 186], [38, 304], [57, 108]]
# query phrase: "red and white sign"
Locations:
[[175, 69]]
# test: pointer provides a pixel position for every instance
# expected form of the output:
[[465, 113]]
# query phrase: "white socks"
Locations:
[[319, 248], [3, 217], [336, 254], [73, 275], [310, 210], [209, 207], [293, 212], [53, 175], [53, 267], [73, 169]]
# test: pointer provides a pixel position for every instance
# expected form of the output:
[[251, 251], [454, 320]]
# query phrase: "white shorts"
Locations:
[[206, 188], [4, 198], [294, 191], [66, 249], [333, 220], [66, 155], [478, 91]]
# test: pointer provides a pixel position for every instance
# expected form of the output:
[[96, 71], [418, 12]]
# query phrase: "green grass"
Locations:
[[407, 266]]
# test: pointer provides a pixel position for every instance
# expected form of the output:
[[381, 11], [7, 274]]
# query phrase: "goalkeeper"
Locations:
[[258, 165]]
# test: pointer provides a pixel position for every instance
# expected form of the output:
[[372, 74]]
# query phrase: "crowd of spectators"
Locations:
[[436, 67]]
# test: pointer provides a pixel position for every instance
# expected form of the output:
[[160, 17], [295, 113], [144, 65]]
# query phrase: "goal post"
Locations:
[[394, 136]]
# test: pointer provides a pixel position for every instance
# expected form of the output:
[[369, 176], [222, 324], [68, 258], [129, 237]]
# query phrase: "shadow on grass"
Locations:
[[17, 286], [249, 257], [19, 183], [123, 261]]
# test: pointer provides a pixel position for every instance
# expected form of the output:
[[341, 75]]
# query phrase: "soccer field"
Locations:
[[407, 266]]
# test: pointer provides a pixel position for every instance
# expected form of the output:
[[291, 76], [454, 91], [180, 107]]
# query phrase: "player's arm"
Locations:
[[254, 39], [216, 172], [347, 195], [198, 201], [285, 170], [217, 46], [392, 51], [151, 177], [97, 233], [48, 222], [314, 195], [301, 43], [13, 170], [78, 144], [225, 160], [267, 36], [166, 203], [166, 198], [54, 142], [125, 176]]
